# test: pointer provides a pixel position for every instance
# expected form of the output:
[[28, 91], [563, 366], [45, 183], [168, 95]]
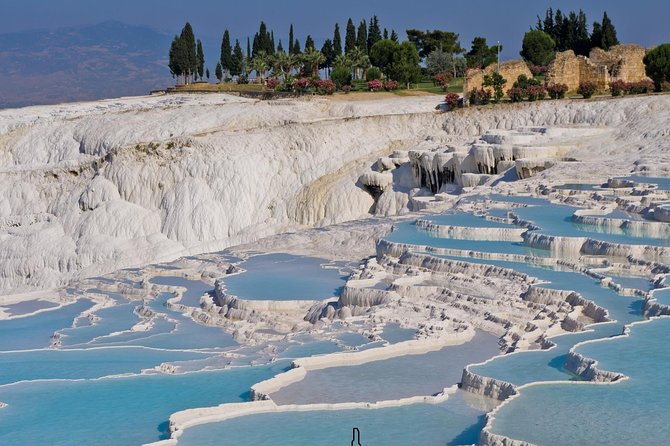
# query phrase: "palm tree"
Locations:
[[342, 60], [313, 58], [282, 63], [260, 64], [359, 61]]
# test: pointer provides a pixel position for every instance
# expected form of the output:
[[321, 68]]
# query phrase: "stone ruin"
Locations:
[[621, 62], [510, 70]]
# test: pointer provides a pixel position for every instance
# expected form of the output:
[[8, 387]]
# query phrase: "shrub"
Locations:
[[452, 100], [325, 86], [537, 47], [641, 87], [272, 83], [516, 94], [657, 65], [375, 85], [341, 76], [480, 97], [372, 74], [538, 70], [619, 88], [391, 85], [346, 88], [496, 81], [557, 91], [301, 85], [665, 86], [535, 92], [587, 89], [442, 80]]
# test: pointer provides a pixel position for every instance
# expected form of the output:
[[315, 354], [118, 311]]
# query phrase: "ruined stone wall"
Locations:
[[510, 70], [621, 62]]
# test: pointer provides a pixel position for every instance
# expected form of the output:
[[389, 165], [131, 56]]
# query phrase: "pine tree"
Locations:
[[290, 39], [609, 38], [296, 47], [386, 34], [237, 61], [328, 54], [362, 37], [337, 41], [394, 36], [350, 37], [226, 52], [218, 72], [201, 60], [374, 33], [272, 42], [280, 48], [309, 43], [207, 73]]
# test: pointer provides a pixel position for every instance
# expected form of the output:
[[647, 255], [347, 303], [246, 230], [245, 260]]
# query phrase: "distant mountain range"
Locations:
[[107, 60]]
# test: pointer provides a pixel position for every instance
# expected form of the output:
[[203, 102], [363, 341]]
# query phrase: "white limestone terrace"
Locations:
[[88, 188]]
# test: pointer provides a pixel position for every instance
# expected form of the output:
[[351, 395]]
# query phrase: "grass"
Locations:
[[425, 86]]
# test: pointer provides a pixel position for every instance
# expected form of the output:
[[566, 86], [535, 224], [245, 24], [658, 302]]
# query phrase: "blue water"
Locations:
[[453, 422], [119, 411], [112, 319], [634, 411], [36, 331], [661, 182], [662, 296], [28, 307], [394, 333], [464, 219], [194, 288], [285, 277], [578, 186]]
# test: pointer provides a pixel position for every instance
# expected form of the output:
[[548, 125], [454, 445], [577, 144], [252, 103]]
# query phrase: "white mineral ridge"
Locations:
[[88, 188]]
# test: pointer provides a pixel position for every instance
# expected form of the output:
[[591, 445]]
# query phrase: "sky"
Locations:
[[642, 21]]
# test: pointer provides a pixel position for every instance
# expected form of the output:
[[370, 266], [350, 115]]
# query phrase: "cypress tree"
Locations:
[[350, 37], [394, 36], [237, 61], [329, 54], [226, 52], [173, 63], [280, 48], [296, 47], [248, 49], [337, 41], [309, 43], [272, 43], [362, 37], [207, 73], [374, 33], [290, 39], [190, 57], [386, 34], [201, 60], [609, 38], [582, 39], [596, 35], [218, 72]]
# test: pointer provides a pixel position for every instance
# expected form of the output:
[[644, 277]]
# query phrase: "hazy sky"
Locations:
[[642, 21]]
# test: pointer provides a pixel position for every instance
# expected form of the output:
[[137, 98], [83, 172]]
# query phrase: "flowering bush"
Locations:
[[301, 85], [373, 73], [516, 94], [619, 88], [557, 91], [480, 96], [452, 100], [587, 89], [538, 70], [272, 83], [391, 85], [375, 85], [346, 88], [324, 86], [442, 80], [535, 92], [641, 87]]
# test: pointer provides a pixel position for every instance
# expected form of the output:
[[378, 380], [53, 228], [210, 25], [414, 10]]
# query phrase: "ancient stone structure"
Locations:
[[510, 70], [621, 62]]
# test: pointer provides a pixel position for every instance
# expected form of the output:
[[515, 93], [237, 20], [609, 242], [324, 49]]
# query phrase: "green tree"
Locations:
[[341, 75], [429, 41], [188, 41], [337, 41], [207, 73], [218, 72], [329, 55], [537, 48], [657, 65], [248, 49], [237, 61], [386, 34], [609, 38], [359, 61], [290, 39], [480, 54], [362, 37], [201, 60], [280, 47], [313, 59], [260, 64], [394, 36], [350, 37], [309, 43], [405, 68], [382, 53], [497, 82], [178, 60], [282, 63], [374, 33], [226, 58], [442, 62]]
